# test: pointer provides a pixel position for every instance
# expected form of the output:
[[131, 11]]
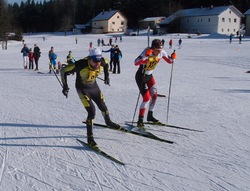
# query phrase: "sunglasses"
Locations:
[[96, 61]]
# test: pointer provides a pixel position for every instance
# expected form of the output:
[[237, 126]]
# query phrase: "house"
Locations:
[[109, 22], [221, 20], [152, 23], [247, 22], [81, 28]]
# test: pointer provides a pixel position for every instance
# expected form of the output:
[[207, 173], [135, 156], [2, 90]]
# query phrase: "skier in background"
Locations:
[[147, 62], [87, 70]]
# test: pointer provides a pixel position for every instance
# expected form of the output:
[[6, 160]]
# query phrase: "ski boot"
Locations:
[[140, 123], [150, 118], [108, 121], [112, 124], [91, 141], [90, 138]]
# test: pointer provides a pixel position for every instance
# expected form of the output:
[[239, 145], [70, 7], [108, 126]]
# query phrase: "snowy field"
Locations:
[[210, 92]]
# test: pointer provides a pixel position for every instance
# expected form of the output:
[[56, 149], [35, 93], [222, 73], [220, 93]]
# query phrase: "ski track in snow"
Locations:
[[210, 91]]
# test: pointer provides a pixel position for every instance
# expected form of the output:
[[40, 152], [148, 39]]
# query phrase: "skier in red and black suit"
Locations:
[[147, 62]]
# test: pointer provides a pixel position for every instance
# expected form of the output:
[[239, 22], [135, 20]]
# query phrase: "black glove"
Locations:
[[65, 90], [106, 81]]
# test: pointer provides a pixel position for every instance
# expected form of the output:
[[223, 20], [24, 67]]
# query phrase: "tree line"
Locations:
[[61, 15]]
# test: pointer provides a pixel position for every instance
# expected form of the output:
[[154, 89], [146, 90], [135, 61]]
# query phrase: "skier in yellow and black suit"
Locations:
[[87, 70]]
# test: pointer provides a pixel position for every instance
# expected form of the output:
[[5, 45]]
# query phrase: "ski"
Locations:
[[161, 95], [171, 126], [40, 72], [100, 152], [132, 130]]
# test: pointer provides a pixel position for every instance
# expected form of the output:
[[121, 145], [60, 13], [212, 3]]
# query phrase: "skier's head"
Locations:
[[156, 44], [95, 54], [95, 57]]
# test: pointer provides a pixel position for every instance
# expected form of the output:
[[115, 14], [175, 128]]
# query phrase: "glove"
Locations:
[[106, 81], [174, 55], [65, 90]]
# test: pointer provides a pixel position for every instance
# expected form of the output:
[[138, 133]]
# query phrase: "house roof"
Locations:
[[104, 15], [152, 19], [200, 12], [247, 12]]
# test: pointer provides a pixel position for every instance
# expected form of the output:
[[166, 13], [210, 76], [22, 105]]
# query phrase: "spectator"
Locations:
[[180, 42], [25, 51], [170, 43], [117, 58], [31, 59], [37, 55], [70, 58], [52, 58], [111, 50]]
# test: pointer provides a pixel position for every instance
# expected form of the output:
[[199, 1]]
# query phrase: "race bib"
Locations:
[[92, 75], [152, 62]]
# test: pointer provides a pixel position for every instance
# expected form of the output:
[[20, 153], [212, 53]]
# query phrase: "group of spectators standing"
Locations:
[[170, 43], [115, 57], [29, 56]]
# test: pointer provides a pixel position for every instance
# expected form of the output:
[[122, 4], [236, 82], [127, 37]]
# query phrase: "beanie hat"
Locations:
[[95, 54], [156, 44]]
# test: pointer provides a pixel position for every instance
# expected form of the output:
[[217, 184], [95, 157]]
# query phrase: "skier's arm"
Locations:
[[143, 57], [167, 58], [106, 50], [106, 71], [66, 70]]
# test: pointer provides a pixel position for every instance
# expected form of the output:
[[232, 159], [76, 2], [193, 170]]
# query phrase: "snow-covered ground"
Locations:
[[210, 92]]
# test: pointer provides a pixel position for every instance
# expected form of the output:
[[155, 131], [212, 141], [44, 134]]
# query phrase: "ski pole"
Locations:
[[56, 75], [102, 79], [173, 56], [138, 98]]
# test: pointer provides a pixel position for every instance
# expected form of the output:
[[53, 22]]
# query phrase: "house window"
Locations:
[[122, 23], [229, 19], [228, 30], [118, 17], [230, 12], [222, 30], [113, 23], [209, 19], [235, 20], [223, 19]]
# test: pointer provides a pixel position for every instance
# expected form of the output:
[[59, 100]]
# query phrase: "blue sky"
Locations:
[[19, 1]]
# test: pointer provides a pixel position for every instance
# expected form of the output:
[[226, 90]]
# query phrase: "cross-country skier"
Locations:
[[87, 70], [147, 62]]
